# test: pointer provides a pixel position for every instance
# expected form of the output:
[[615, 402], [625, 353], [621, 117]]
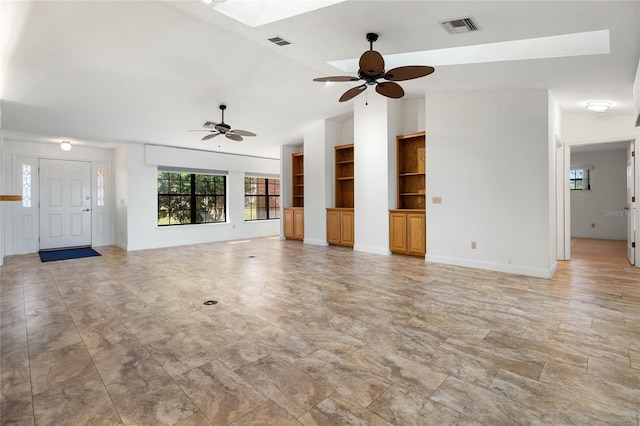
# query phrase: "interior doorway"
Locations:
[[599, 220]]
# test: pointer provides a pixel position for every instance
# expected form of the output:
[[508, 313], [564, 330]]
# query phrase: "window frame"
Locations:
[[267, 198], [192, 197], [586, 178]]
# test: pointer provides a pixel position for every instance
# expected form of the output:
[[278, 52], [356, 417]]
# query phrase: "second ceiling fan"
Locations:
[[372, 68], [224, 129]]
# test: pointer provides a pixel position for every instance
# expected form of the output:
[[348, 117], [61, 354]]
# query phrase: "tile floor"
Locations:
[[315, 336]]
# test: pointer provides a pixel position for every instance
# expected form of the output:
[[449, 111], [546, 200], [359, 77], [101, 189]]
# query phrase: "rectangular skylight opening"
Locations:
[[560, 46], [255, 13]]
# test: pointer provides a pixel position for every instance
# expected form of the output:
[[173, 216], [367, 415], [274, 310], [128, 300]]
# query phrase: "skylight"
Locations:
[[577, 44], [260, 12]]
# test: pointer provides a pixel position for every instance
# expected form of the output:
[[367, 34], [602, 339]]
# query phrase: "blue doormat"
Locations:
[[64, 254]]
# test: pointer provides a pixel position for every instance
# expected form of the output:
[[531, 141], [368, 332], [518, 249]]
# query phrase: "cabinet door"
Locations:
[[398, 232], [298, 224], [333, 227], [288, 223], [416, 234], [346, 229]]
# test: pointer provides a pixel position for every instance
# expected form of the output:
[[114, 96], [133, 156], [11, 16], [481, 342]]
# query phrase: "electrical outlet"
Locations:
[[474, 245], [436, 200]]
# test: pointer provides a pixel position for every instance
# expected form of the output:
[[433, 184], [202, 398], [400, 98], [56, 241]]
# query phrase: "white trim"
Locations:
[[496, 267], [315, 242], [374, 250]]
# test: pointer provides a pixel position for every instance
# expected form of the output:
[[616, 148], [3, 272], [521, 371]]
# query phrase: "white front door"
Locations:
[[631, 205], [65, 203]]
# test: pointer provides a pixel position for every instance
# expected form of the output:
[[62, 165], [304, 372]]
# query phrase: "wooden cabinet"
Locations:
[[407, 232], [407, 224], [294, 223], [340, 227], [297, 178], [294, 216]]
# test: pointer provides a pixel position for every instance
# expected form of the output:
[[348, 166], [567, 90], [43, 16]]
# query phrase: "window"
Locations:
[[100, 187], [26, 185], [261, 198], [190, 198], [579, 180]]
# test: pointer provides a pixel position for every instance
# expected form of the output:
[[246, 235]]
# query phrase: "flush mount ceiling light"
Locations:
[[598, 106], [65, 145], [260, 12]]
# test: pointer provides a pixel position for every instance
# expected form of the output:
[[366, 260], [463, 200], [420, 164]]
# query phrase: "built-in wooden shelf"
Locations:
[[340, 219], [407, 223], [10, 197]]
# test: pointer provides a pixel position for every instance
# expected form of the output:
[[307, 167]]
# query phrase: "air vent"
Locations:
[[279, 41], [209, 125], [457, 26]]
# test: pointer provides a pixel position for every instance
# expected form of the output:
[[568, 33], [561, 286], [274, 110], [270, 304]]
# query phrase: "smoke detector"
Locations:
[[460, 25]]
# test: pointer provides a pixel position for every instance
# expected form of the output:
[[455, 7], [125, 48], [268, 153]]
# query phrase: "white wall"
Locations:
[[488, 159], [597, 127], [375, 128], [604, 204], [315, 183], [142, 231], [413, 118], [31, 152]]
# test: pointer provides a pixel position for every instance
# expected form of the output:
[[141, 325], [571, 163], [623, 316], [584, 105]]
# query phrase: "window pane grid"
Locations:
[[262, 198], [189, 198], [579, 180]]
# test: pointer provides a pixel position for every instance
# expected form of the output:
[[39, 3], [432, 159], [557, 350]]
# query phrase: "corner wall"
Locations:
[[488, 158], [140, 187]]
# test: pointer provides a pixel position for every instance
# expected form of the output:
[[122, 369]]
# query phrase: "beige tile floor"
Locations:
[[315, 336]]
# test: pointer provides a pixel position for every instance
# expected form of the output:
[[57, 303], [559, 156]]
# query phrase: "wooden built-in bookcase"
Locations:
[[340, 219], [294, 215], [411, 160], [297, 174], [407, 223], [344, 176]]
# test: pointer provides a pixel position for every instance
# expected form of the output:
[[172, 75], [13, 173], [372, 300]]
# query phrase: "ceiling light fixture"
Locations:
[[65, 145], [207, 1], [598, 106]]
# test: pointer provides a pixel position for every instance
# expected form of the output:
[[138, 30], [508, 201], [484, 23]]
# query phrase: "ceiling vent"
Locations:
[[457, 26], [279, 41], [209, 125]]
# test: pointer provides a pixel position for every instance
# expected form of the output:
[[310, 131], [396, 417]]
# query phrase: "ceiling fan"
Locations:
[[223, 129], [372, 69]]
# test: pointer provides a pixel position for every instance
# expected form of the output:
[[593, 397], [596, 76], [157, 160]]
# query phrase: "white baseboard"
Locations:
[[315, 242], [370, 249], [497, 267]]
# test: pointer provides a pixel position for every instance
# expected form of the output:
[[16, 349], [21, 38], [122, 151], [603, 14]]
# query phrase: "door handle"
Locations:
[[86, 210]]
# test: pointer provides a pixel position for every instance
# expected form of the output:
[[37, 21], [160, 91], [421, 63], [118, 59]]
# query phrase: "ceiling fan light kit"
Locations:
[[372, 68], [224, 129]]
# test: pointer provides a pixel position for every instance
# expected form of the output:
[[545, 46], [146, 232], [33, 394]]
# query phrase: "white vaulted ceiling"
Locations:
[[148, 71]]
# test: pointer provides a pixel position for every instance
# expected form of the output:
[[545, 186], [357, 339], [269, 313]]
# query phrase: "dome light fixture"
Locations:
[[598, 106], [65, 145]]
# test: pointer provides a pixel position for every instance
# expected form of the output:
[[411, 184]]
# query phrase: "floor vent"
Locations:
[[279, 41], [457, 26]]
